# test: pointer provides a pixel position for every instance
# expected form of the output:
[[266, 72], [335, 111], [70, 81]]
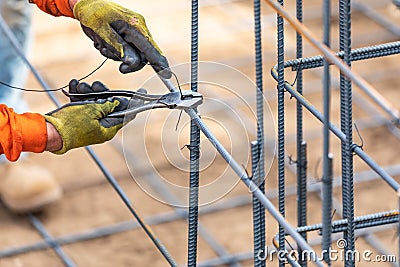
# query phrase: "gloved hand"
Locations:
[[120, 34], [83, 123], [75, 87]]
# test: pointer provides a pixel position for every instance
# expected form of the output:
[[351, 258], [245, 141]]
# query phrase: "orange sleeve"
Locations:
[[21, 132], [55, 7]]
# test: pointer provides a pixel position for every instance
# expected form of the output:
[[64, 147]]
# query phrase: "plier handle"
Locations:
[[175, 100]]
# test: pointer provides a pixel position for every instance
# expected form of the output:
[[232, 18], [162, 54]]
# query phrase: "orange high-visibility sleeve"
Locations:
[[55, 7], [21, 132]]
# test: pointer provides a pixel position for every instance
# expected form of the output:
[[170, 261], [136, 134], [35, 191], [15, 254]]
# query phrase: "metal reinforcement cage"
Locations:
[[333, 95]]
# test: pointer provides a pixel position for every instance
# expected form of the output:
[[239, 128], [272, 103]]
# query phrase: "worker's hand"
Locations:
[[120, 34], [85, 123]]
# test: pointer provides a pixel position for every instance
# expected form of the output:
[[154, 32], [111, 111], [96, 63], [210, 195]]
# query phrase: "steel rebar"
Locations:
[[381, 218], [258, 209], [363, 53], [281, 125], [346, 119], [327, 211], [301, 145], [194, 146], [327, 157], [259, 161]]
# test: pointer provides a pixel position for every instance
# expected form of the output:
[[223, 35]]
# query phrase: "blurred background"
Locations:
[[148, 151]]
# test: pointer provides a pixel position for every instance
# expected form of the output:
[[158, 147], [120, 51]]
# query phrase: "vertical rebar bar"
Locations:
[[259, 93], [259, 167], [327, 211], [194, 146], [346, 117], [302, 193], [327, 157], [258, 210], [281, 127], [301, 144]]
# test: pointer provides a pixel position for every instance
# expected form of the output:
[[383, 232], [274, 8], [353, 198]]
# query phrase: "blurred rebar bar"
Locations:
[[301, 144], [326, 156], [258, 158]]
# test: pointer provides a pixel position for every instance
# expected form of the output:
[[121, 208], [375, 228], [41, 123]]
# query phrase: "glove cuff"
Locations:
[[86, 4], [64, 136]]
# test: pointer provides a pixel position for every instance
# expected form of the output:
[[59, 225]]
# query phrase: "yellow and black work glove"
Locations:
[[84, 123], [121, 34]]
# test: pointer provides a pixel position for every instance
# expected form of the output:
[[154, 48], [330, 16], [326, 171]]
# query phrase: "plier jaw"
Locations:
[[182, 100]]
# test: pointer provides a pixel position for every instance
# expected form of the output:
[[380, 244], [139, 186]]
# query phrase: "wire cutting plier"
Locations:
[[181, 100]]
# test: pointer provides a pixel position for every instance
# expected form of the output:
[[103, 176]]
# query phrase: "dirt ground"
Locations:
[[148, 152]]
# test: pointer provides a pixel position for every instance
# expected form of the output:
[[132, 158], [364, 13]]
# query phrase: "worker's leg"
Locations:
[[17, 14], [24, 186]]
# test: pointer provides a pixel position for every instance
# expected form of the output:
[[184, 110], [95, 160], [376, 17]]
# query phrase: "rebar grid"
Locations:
[[346, 119], [265, 200]]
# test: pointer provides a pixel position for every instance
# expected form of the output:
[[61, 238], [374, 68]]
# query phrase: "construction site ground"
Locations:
[[61, 52]]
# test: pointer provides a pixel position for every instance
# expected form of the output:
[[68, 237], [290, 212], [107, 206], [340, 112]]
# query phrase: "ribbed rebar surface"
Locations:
[[259, 161], [346, 117], [194, 146], [281, 126]]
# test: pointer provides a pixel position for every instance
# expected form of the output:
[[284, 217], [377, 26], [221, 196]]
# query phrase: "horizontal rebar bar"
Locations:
[[358, 54], [365, 221]]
